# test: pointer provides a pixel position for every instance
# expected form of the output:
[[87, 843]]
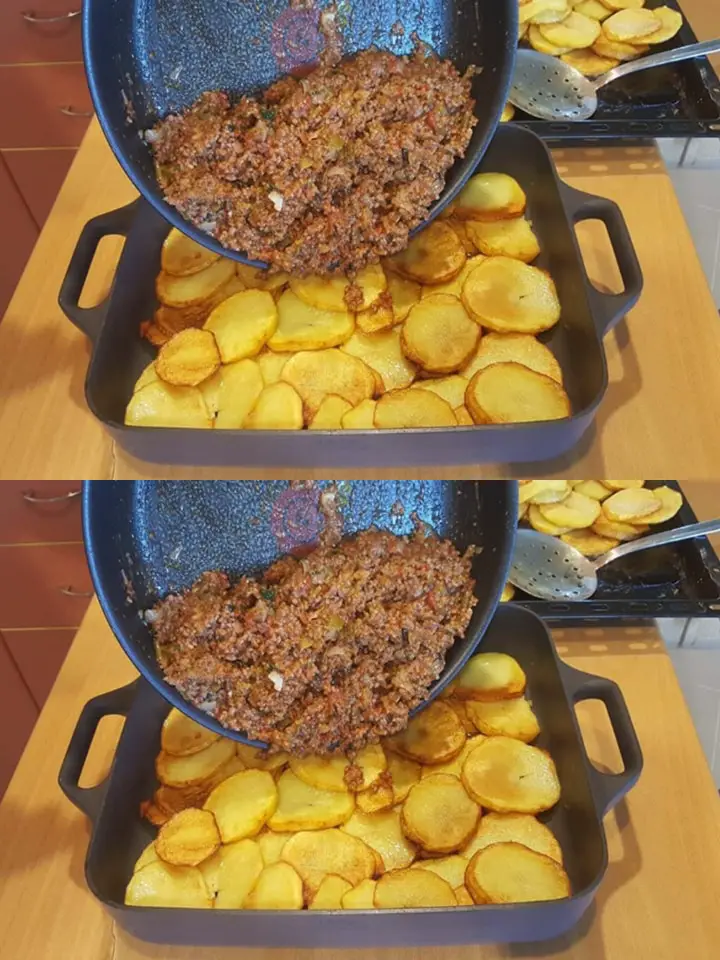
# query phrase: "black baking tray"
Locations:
[[119, 354], [678, 580], [680, 100], [119, 834]]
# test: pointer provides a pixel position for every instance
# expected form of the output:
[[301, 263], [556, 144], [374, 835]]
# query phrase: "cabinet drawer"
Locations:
[[38, 655], [39, 174], [35, 103], [18, 234], [18, 714], [40, 511], [45, 586], [40, 31]]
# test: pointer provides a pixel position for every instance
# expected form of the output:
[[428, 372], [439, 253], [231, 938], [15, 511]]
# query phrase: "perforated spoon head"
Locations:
[[549, 569], [549, 89]]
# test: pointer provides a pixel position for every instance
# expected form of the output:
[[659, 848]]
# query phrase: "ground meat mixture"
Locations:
[[321, 174], [324, 653]]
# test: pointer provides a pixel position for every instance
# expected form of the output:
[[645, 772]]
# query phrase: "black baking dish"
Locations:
[[119, 834], [119, 354]]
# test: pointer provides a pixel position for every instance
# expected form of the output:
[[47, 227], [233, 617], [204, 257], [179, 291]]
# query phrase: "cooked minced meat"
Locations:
[[321, 174], [324, 653]]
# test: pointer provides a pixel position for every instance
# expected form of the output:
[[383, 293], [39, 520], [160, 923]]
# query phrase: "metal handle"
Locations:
[[90, 319], [688, 52], [607, 308], [33, 18], [607, 788], [688, 532], [30, 497], [115, 703], [69, 592], [72, 112]]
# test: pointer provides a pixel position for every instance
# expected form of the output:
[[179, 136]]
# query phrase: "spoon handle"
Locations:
[[687, 532], [688, 52]]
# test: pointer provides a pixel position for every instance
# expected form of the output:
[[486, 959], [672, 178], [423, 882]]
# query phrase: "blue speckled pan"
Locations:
[[147, 539], [147, 58]]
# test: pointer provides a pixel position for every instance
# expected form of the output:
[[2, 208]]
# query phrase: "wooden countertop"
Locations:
[[658, 900]]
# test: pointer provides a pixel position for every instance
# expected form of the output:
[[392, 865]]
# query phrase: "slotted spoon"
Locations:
[[549, 89], [549, 569]]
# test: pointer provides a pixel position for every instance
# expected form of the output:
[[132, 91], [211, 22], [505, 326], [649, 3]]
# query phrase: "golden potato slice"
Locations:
[[455, 285], [512, 393], [238, 871], [210, 870], [626, 506], [505, 718], [241, 384], [360, 897], [367, 287], [508, 112], [189, 770], [508, 592], [181, 256], [271, 365], [463, 897], [539, 522], [149, 375], [329, 414], [383, 353], [460, 228], [438, 814], [514, 828], [589, 543], [435, 255], [454, 766], [406, 889], [278, 407], [403, 773], [434, 735], [458, 707], [149, 855], [670, 20], [670, 500], [604, 47], [543, 491], [322, 293], [575, 31], [376, 798], [552, 16], [588, 62], [243, 324], [256, 279], [624, 4], [361, 417], [188, 838], [505, 238], [330, 893], [317, 853], [513, 348], [594, 9], [489, 677], [377, 318], [510, 776], [322, 772], [256, 759], [182, 736], [575, 512], [439, 335], [167, 801], [210, 390], [462, 415], [613, 530], [510, 296], [452, 389], [371, 763], [161, 885], [536, 8], [186, 291], [629, 26], [271, 846], [403, 293], [302, 807], [407, 409], [592, 488], [161, 405], [302, 327], [490, 196], [278, 888], [382, 832], [623, 484], [314, 374], [538, 42], [243, 803], [452, 869], [512, 873]]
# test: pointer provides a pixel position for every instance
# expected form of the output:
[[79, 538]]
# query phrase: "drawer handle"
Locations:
[[30, 497], [72, 112], [34, 18], [69, 592]]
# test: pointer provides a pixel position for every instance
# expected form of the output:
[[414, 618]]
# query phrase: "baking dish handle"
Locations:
[[115, 223], [114, 703], [607, 788], [607, 308]]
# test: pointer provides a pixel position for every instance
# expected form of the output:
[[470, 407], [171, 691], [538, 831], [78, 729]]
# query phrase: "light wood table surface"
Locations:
[[658, 900]]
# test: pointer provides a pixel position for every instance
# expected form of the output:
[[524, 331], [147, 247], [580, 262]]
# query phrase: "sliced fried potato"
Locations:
[[510, 776], [302, 807], [404, 772], [256, 759], [149, 375], [322, 772], [403, 293], [383, 353], [438, 814], [455, 285], [377, 318], [510, 296], [241, 384], [271, 365], [161, 885], [330, 893], [612, 530], [594, 9], [243, 324], [460, 228], [149, 855], [488, 677], [210, 869], [592, 488], [459, 707], [462, 415], [271, 846], [505, 238], [670, 23], [624, 484], [588, 62], [536, 8], [513, 348], [505, 718], [314, 374], [383, 833], [329, 414], [361, 417], [450, 868], [538, 521], [463, 897], [508, 112], [210, 390], [671, 501], [575, 31], [372, 764], [538, 42], [405, 889], [575, 512], [589, 543], [624, 4], [490, 196], [194, 769], [238, 871], [188, 838], [406, 409], [181, 256], [159, 404], [512, 873], [508, 592], [186, 291], [552, 16], [278, 888], [171, 800], [435, 255], [514, 828], [278, 407], [627, 506], [628, 26], [454, 766], [604, 47], [512, 393], [439, 335], [302, 327], [243, 803], [182, 736], [361, 897], [256, 279], [434, 735], [317, 853], [322, 293], [452, 389], [543, 491], [376, 798]]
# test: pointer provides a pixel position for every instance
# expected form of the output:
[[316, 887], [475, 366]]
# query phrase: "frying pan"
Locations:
[[146, 539], [145, 59]]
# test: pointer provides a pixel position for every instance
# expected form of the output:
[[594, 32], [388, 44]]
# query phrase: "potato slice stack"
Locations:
[[409, 343], [443, 814]]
